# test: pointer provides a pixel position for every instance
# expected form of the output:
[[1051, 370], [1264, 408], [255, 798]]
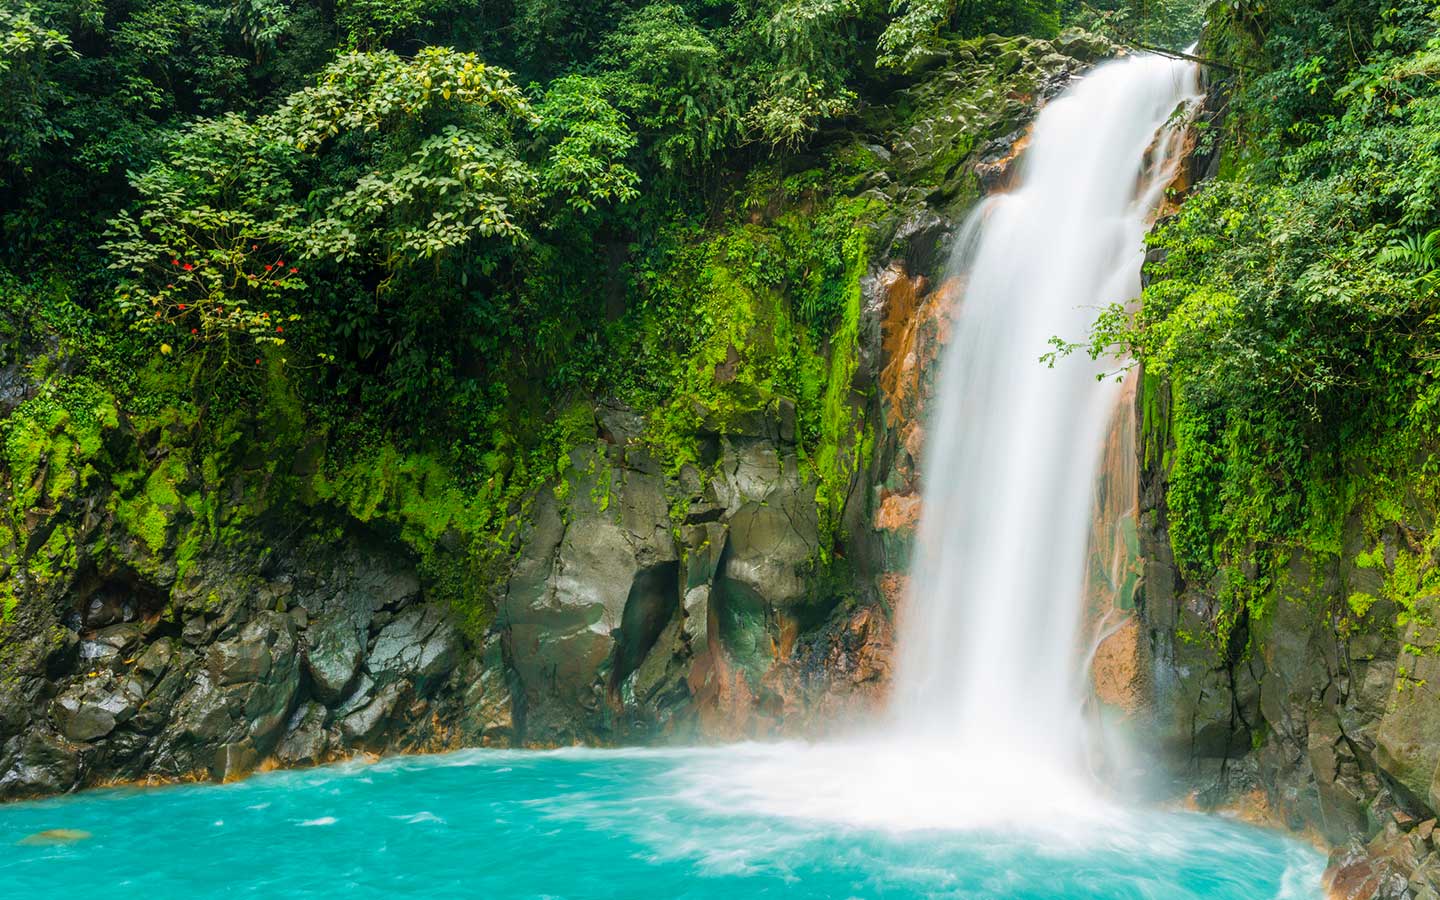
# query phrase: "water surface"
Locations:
[[599, 824]]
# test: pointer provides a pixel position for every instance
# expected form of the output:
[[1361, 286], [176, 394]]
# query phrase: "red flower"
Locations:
[[170, 286], [194, 331], [281, 264], [182, 306], [276, 283], [187, 267], [174, 262], [293, 270], [268, 268], [279, 327], [254, 246], [257, 362]]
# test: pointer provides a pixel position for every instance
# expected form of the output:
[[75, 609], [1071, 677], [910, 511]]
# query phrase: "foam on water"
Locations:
[[600, 824]]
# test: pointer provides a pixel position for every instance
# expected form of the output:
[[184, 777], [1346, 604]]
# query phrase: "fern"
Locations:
[[1415, 252]]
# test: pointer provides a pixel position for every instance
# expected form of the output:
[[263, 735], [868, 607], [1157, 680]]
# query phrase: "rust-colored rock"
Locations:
[[893, 587], [915, 328], [998, 175], [898, 512], [1119, 669]]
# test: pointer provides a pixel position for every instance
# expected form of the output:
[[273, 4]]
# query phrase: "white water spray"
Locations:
[[986, 726], [990, 649]]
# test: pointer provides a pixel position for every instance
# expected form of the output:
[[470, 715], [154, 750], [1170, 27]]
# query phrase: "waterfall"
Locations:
[[985, 727], [990, 647]]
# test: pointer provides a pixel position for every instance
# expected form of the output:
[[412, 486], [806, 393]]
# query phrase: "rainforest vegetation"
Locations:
[[434, 227], [1289, 331], [434, 233]]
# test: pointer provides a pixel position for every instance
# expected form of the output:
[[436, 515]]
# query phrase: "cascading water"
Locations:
[[986, 726], [988, 660]]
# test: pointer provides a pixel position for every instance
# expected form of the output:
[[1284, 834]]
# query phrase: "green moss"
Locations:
[[1154, 420], [460, 531], [55, 559], [1360, 603], [842, 446], [143, 518], [412, 490], [49, 441], [160, 484]]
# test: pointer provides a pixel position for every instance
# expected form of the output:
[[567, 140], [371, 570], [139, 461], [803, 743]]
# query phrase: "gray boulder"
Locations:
[[419, 646], [337, 648], [92, 708], [306, 740]]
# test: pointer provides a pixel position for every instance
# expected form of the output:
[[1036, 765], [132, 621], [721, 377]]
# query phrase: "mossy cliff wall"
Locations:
[[1302, 684], [1323, 699], [197, 588]]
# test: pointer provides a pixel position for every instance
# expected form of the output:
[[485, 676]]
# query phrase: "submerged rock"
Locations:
[[55, 837]]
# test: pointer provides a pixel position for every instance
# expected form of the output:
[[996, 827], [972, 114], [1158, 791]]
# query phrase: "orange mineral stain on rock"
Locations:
[[894, 587], [898, 512], [913, 439], [998, 176], [1119, 669], [860, 662], [915, 327]]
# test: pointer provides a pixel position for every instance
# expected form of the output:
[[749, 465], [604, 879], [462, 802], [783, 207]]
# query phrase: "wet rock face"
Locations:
[[1325, 696], [1407, 741], [629, 590], [1328, 714], [1331, 713], [336, 651]]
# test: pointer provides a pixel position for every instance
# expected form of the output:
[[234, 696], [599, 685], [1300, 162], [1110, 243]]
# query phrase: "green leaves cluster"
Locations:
[[27, 93], [1295, 314], [382, 165], [1171, 24]]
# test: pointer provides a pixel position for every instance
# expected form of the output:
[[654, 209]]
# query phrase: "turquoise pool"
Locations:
[[595, 824]]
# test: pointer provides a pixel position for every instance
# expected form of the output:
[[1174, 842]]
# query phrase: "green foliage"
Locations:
[[1173, 24], [206, 251], [912, 33], [381, 91], [27, 89], [916, 24], [369, 24], [1294, 313], [670, 76], [804, 45], [589, 139], [203, 260]]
